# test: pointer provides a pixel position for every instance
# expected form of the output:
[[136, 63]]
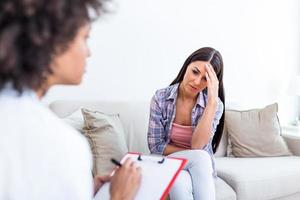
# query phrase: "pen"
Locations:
[[116, 162]]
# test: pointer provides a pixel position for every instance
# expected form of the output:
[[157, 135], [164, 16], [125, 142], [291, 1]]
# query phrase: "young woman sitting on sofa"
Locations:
[[43, 43], [186, 120]]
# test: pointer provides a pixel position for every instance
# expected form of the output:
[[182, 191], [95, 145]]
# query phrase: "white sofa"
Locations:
[[238, 178]]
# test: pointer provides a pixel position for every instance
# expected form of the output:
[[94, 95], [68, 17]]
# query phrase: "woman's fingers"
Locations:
[[127, 162], [212, 81], [211, 73], [130, 164], [209, 76], [208, 80], [212, 69], [210, 85]]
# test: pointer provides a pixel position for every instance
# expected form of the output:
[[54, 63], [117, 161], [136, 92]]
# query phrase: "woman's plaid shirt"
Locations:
[[162, 115]]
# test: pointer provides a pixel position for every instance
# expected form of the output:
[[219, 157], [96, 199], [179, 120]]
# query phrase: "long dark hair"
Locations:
[[215, 58]]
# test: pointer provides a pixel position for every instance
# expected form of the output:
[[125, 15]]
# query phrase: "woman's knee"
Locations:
[[201, 158], [201, 155], [195, 158]]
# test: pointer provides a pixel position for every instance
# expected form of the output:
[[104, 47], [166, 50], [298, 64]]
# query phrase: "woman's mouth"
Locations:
[[194, 88]]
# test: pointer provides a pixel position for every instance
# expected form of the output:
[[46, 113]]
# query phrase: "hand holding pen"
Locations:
[[117, 163], [126, 180]]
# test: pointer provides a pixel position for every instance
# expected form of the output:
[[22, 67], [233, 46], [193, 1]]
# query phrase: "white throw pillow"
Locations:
[[255, 133]]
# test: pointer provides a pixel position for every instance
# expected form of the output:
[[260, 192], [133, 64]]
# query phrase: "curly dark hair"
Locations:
[[33, 31]]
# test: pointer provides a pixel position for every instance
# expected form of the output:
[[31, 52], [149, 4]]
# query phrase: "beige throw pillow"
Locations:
[[255, 133], [106, 137]]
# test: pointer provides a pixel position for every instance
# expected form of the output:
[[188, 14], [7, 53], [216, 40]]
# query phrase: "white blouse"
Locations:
[[40, 156]]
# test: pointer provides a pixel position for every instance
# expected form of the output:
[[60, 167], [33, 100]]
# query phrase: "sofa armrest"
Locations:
[[293, 143]]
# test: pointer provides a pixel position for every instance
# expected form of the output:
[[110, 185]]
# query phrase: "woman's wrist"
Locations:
[[212, 104]]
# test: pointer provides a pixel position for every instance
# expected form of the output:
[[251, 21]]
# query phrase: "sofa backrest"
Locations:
[[133, 115], [222, 149]]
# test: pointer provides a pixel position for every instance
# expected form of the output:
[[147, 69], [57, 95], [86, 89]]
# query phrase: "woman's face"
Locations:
[[194, 79], [69, 67]]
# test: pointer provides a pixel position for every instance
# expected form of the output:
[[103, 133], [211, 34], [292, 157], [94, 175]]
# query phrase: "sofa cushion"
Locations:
[[106, 137], [224, 191], [255, 133], [295, 196], [261, 178]]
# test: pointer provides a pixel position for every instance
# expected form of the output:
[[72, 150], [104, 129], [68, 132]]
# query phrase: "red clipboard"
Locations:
[[160, 160], [158, 176]]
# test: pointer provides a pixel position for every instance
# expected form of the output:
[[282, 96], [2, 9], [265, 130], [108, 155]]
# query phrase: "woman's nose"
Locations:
[[197, 80]]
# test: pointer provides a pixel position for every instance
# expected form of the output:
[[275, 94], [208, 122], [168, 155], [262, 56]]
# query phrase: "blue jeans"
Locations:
[[195, 181]]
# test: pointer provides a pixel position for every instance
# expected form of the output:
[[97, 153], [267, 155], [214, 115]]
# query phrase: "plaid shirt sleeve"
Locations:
[[156, 131], [217, 117]]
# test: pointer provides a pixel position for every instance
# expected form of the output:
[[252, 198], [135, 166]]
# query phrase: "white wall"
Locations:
[[142, 44]]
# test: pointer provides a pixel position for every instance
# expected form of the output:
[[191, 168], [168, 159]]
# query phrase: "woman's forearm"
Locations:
[[172, 149], [203, 130]]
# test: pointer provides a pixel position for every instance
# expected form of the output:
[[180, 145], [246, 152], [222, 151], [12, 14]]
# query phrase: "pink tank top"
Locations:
[[181, 136]]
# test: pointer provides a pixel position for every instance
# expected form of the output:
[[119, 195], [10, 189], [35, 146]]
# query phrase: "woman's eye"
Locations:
[[204, 78], [195, 72]]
